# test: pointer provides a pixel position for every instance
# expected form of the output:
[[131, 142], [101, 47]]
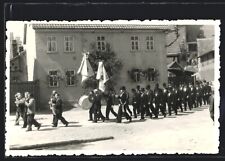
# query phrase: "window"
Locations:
[[149, 43], [134, 43], [70, 78], [192, 47], [101, 45], [68, 44], [51, 44], [53, 78]]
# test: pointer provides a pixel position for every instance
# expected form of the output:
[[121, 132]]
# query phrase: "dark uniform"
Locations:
[[179, 98], [97, 106], [204, 92], [143, 103], [208, 93], [185, 95], [135, 98], [91, 110], [164, 96], [127, 108], [198, 96], [149, 105], [138, 99], [122, 103], [59, 112], [191, 97], [171, 101], [109, 108], [158, 95]]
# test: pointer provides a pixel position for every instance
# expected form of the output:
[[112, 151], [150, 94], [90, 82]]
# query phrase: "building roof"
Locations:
[[174, 65], [205, 46], [173, 54], [101, 26]]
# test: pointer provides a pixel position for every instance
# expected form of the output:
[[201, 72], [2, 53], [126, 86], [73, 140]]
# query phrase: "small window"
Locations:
[[134, 43], [70, 78], [53, 78], [192, 47], [68, 44], [51, 44], [101, 44], [149, 43]]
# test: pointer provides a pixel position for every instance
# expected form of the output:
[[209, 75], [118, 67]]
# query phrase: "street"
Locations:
[[188, 132]]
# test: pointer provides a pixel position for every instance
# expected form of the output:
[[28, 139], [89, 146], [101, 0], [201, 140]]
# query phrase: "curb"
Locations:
[[36, 146]]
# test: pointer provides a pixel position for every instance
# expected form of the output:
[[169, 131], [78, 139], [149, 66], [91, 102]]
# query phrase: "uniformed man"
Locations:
[[171, 100], [138, 89], [134, 101], [158, 94], [201, 94], [91, 110], [179, 97], [109, 102], [198, 97], [176, 97], [208, 92], [164, 96], [143, 103], [204, 92], [97, 105], [191, 96], [127, 108], [185, 96], [59, 111], [122, 103], [149, 106]]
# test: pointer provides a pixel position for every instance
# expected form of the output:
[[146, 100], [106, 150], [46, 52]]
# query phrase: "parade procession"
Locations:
[[132, 86], [140, 102]]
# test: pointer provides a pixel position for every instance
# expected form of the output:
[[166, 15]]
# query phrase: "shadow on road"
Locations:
[[182, 114], [47, 129], [72, 126]]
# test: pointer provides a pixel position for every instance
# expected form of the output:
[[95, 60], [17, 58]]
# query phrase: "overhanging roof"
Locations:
[[101, 26]]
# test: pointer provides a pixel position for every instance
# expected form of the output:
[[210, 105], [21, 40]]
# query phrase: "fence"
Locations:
[[22, 87]]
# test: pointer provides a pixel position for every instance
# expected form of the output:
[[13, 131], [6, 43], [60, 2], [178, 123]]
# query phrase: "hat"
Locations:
[[123, 88]]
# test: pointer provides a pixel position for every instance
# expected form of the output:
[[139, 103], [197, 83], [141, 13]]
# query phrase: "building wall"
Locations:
[[206, 70], [18, 68], [121, 45]]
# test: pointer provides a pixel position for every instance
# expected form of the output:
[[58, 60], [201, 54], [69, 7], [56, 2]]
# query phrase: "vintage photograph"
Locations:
[[112, 87]]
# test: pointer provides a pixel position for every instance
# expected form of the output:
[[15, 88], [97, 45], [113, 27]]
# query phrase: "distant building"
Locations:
[[18, 61], [18, 68], [55, 53], [206, 59], [187, 36]]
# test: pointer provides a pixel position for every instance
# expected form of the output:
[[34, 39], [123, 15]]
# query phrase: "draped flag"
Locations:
[[85, 69], [102, 76]]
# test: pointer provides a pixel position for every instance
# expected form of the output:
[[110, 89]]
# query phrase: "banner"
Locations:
[[85, 69], [102, 76]]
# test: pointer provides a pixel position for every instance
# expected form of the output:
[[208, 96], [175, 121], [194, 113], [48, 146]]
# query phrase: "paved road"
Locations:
[[191, 131]]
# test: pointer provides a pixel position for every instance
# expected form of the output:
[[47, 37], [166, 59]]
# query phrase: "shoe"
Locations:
[[54, 126], [90, 120], [130, 120], [16, 124], [39, 126], [67, 124], [103, 120], [23, 127], [106, 118], [28, 130]]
